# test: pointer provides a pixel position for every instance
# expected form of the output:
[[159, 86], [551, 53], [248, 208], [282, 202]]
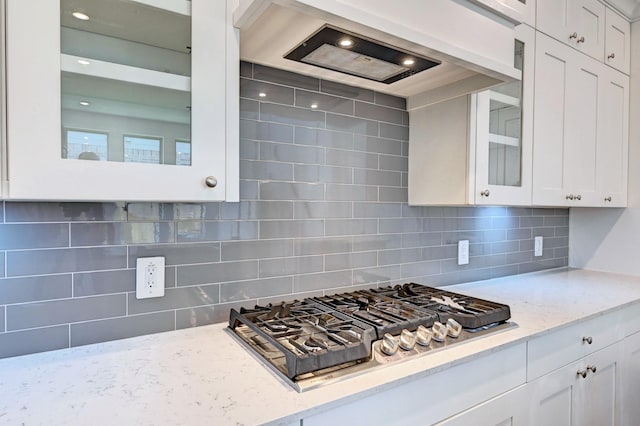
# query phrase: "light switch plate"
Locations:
[[537, 246], [463, 252], [149, 277]]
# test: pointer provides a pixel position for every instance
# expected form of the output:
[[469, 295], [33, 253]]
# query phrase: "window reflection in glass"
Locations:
[[183, 153], [85, 145], [140, 149]]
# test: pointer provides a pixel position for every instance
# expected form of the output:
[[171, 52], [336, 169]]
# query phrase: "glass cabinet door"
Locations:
[[122, 99], [125, 80], [504, 133]]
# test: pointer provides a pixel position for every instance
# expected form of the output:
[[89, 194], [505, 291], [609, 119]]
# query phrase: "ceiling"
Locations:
[[629, 8]]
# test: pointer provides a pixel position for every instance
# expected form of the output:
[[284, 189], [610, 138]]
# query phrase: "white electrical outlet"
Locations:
[[149, 277], [463, 252], [537, 246]]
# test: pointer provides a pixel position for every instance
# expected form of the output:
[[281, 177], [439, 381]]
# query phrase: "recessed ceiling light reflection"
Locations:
[[262, 95], [314, 106], [84, 103], [345, 42], [83, 62], [408, 62], [81, 16]]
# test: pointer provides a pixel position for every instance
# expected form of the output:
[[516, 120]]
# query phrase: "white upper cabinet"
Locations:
[[578, 23], [3, 104], [613, 140], [122, 100], [581, 129], [617, 51], [477, 149]]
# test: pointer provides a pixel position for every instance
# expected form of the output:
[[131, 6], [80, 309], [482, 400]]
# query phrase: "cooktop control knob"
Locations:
[[439, 331], [407, 340], [389, 344], [423, 336], [453, 327]]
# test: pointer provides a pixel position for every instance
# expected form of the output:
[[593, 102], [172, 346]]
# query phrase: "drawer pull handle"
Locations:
[[485, 193], [592, 368], [582, 373], [578, 197], [580, 40], [588, 340], [612, 56], [608, 199], [569, 197], [573, 35]]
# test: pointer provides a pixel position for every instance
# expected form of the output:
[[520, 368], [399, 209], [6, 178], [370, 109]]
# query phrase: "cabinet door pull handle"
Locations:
[[588, 340], [569, 197], [485, 193], [611, 56], [608, 199], [578, 197], [582, 373], [573, 35], [592, 368], [580, 40], [211, 181]]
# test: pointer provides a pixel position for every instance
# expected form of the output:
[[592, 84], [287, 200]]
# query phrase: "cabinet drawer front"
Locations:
[[414, 402], [558, 348], [631, 319]]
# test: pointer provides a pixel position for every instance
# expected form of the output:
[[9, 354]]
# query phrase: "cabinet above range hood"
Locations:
[[425, 50]]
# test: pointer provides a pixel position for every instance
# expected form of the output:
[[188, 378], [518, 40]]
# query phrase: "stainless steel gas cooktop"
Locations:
[[319, 340]]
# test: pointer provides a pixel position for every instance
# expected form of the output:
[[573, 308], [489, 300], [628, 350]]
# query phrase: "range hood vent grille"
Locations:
[[360, 56]]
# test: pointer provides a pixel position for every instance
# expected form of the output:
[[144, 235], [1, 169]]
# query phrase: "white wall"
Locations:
[[606, 239]]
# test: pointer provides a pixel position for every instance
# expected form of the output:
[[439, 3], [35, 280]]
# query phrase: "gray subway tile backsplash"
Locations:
[[29, 289], [119, 328], [104, 282], [119, 233], [175, 298], [34, 235], [54, 261], [36, 340], [323, 209], [54, 312]]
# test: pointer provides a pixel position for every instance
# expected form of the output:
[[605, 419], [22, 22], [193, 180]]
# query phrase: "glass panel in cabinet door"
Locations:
[[125, 73], [505, 130]]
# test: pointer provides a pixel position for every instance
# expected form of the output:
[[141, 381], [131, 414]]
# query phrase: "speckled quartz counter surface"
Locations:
[[203, 376]]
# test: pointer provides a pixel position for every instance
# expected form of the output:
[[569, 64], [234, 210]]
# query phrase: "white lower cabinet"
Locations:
[[585, 392], [430, 399], [508, 409], [630, 379]]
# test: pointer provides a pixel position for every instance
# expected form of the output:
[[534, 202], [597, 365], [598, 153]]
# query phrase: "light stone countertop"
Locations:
[[204, 376]]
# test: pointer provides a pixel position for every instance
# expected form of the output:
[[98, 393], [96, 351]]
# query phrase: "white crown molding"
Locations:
[[629, 8]]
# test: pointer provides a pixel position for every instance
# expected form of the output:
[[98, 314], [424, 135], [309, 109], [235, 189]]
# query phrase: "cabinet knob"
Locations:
[[592, 368], [211, 181], [569, 197], [580, 40], [608, 199], [573, 35], [611, 56], [582, 373], [578, 197], [587, 340], [485, 193]]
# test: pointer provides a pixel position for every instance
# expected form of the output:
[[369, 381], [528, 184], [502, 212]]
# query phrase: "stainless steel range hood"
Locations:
[[460, 46]]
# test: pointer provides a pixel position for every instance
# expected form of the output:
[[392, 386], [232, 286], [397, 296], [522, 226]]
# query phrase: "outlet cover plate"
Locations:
[[537, 246], [149, 277], [463, 252]]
